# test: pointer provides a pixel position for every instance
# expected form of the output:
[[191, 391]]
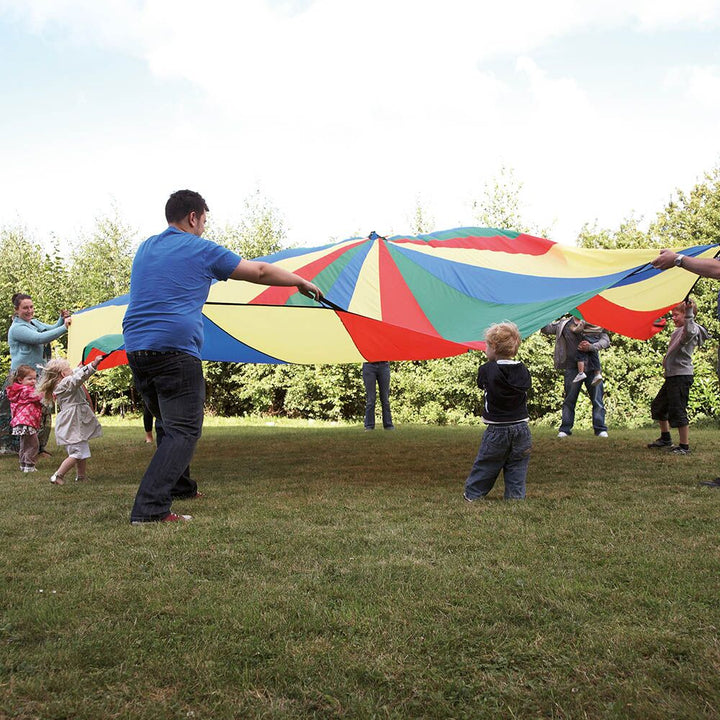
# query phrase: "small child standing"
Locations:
[[26, 409], [506, 441], [588, 359], [669, 407], [75, 423]]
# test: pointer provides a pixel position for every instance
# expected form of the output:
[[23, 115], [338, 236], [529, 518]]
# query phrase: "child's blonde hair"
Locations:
[[22, 371], [505, 338], [52, 375]]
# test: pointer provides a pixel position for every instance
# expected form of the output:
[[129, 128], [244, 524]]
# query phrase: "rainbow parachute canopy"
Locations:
[[111, 348], [419, 297]]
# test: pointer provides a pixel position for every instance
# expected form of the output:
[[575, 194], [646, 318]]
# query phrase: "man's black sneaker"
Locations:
[[660, 443]]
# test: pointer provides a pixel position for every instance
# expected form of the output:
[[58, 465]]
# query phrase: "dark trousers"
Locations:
[[671, 402], [591, 358], [173, 389], [506, 448], [377, 373], [29, 449], [572, 392], [147, 419]]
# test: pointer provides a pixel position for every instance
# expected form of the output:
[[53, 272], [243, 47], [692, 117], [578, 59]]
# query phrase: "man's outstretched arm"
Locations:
[[264, 273]]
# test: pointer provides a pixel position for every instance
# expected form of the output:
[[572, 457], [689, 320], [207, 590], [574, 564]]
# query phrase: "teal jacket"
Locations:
[[27, 341]]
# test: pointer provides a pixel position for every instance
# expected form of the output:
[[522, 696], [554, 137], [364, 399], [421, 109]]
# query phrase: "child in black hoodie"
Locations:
[[506, 442]]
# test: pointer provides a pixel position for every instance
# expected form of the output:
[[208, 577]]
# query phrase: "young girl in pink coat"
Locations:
[[26, 409], [75, 422]]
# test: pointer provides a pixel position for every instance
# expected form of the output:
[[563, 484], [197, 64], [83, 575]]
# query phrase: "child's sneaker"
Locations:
[[29, 468], [660, 443], [580, 377], [56, 479], [677, 450], [597, 379]]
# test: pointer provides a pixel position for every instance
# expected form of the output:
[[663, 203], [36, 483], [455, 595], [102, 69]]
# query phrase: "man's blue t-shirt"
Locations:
[[169, 284]]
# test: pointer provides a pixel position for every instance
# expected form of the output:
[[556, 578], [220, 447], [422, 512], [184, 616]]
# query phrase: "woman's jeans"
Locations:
[[173, 389], [372, 373], [506, 448]]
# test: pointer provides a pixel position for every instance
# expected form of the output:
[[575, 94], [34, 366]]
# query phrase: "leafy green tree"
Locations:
[[691, 218], [261, 230], [238, 388], [26, 267], [436, 391], [101, 264], [99, 270], [629, 235], [633, 368], [421, 221]]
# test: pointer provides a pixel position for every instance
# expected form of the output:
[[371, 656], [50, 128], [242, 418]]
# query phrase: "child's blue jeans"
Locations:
[[506, 448]]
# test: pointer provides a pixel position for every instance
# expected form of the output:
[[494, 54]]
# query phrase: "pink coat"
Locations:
[[25, 405]]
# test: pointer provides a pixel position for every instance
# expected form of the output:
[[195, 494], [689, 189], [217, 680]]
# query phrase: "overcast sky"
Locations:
[[345, 114]]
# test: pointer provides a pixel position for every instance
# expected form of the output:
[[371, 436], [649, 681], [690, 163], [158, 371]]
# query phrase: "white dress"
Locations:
[[75, 420]]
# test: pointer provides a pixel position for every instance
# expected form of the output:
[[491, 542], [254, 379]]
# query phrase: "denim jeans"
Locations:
[[506, 448], [184, 487], [572, 392], [173, 388], [591, 360], [372, 373]]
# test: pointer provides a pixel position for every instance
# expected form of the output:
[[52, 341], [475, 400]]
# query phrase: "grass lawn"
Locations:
[[336, 573]]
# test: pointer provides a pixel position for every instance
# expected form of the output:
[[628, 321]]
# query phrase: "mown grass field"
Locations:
[[333, 573]]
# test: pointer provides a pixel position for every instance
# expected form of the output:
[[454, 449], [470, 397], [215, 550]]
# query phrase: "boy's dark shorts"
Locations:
[[671, 402]]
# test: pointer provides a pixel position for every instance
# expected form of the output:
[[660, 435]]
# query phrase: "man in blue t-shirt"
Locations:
[[163, 328]]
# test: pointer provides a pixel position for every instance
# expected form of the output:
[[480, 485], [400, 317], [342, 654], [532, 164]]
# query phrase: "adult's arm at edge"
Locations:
[[704, 267], [263, 273]]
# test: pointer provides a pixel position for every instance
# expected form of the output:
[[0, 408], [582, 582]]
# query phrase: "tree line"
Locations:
[[443, 391]]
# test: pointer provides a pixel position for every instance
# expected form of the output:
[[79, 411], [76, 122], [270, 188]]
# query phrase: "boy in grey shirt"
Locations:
[[669, 407]]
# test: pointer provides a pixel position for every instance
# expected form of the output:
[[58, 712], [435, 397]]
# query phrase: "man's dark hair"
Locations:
[[182, 203]]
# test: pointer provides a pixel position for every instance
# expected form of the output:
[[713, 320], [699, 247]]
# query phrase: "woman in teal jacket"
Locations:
[[29, 345]]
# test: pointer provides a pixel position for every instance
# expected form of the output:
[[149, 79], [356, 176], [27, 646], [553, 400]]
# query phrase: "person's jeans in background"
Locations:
[[377, 373], [572, 392]]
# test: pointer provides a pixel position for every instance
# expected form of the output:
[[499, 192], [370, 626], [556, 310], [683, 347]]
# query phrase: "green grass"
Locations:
[[333, 573]]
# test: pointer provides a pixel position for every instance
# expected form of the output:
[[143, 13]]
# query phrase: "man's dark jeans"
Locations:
[[572, 392], [173, 388]]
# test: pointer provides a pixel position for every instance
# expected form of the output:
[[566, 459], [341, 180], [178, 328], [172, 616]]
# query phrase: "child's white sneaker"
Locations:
[[580, 377], [56, 479], [597, 379]]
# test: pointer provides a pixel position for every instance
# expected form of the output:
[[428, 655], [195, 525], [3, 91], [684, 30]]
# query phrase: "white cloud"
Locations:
[[345, 112], [701, 85]]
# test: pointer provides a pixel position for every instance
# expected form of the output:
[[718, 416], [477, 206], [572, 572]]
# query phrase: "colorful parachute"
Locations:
[[418, 297], [111, 348]]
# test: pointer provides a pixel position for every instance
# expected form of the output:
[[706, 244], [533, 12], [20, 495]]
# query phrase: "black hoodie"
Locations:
[[506, 384]]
